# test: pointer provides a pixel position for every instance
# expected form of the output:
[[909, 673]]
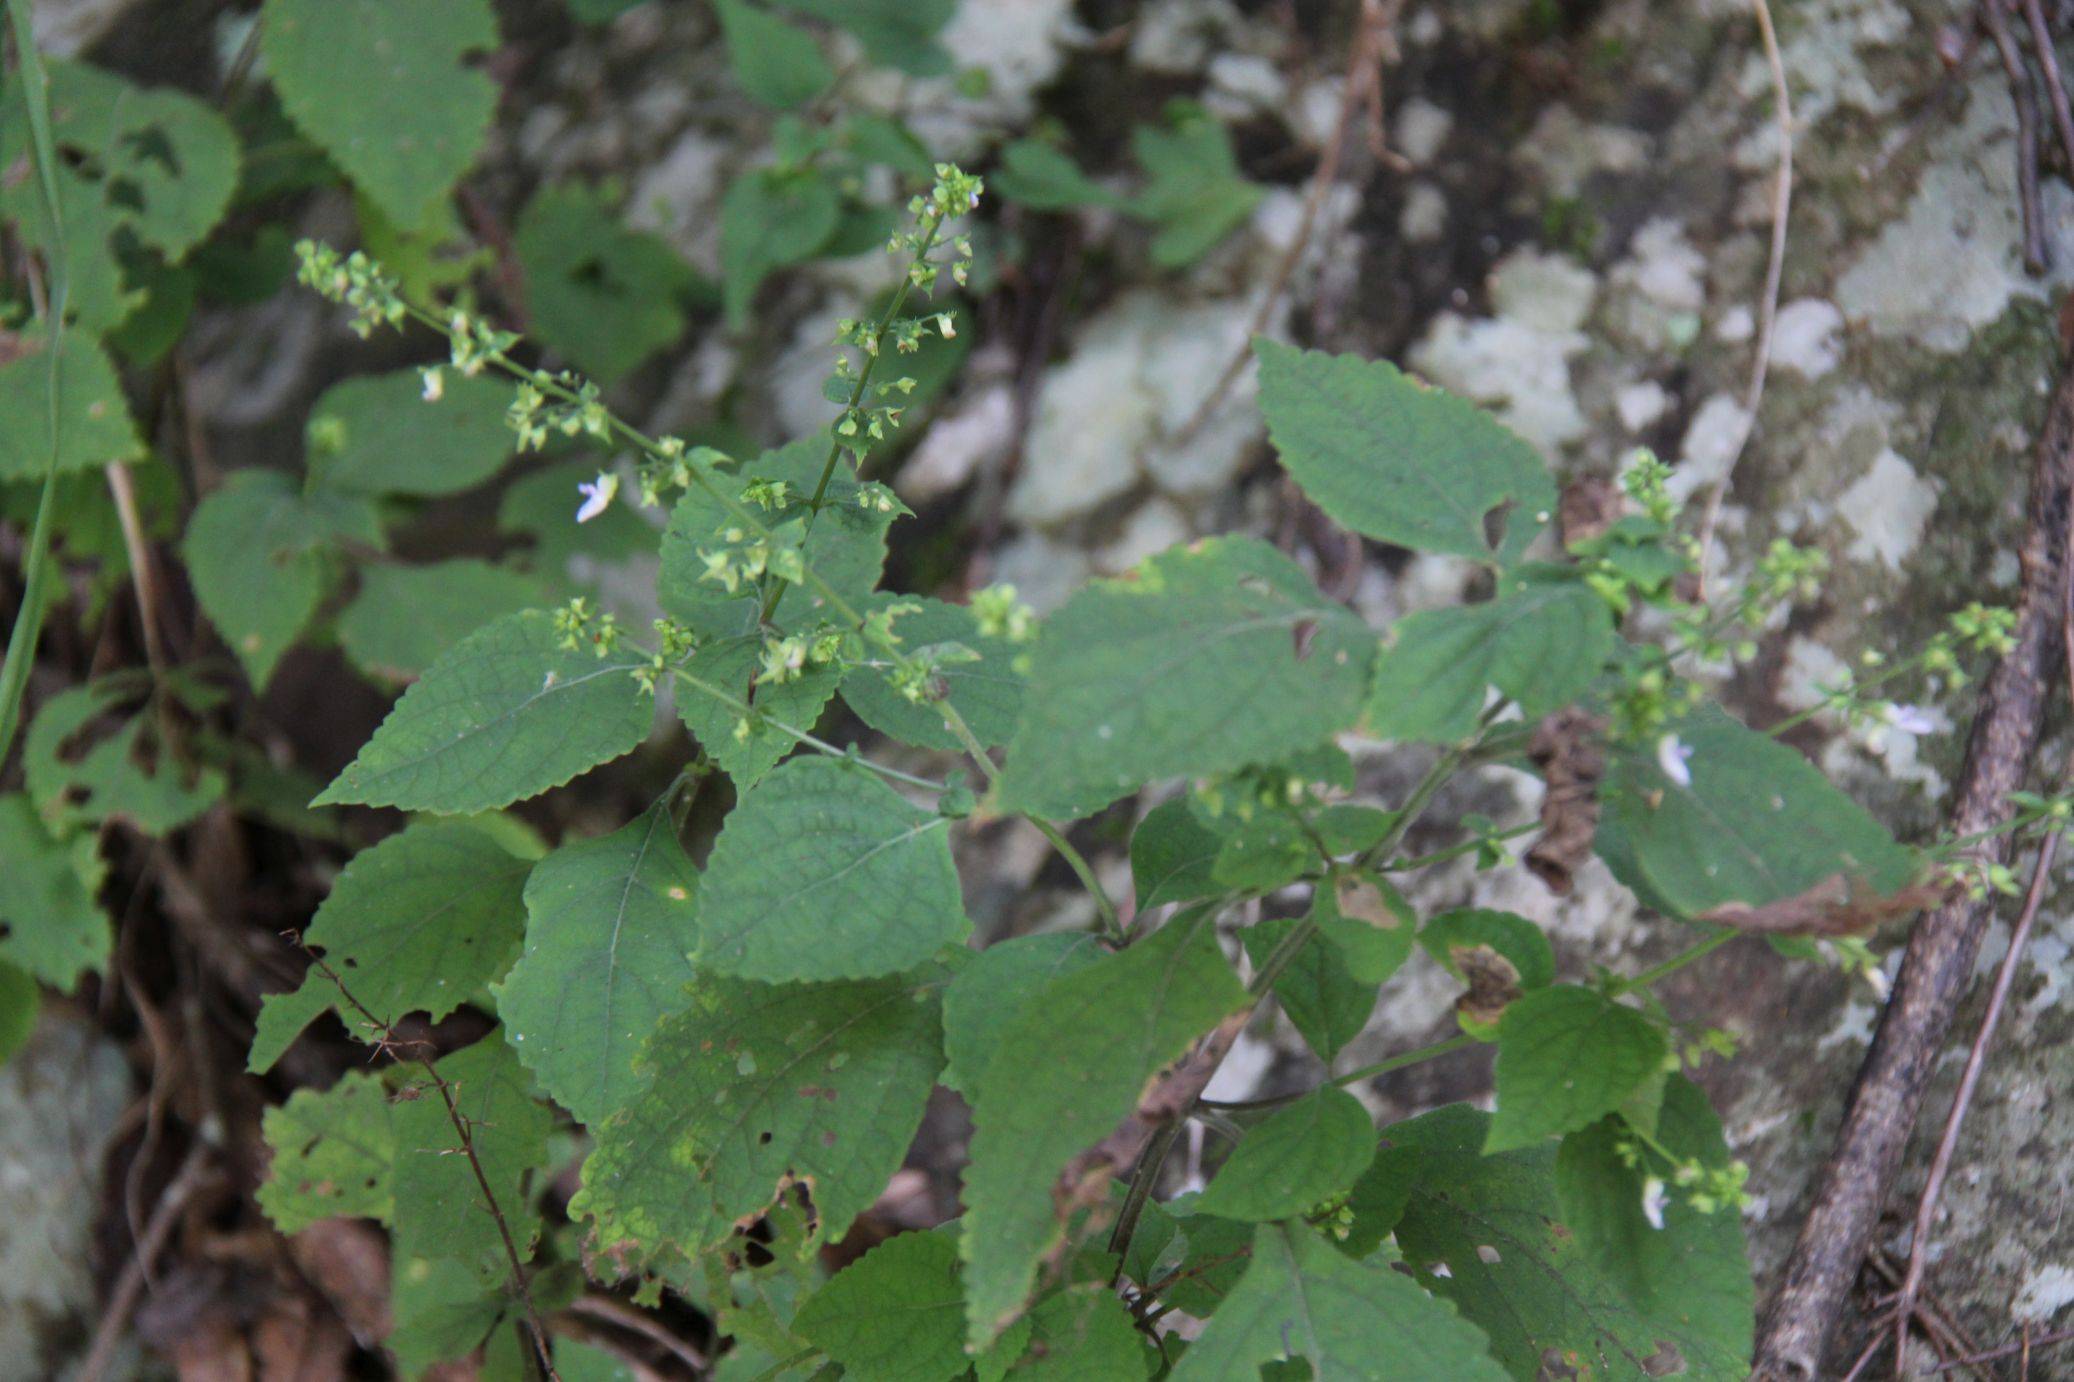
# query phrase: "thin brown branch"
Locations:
[[129, 1288], [623, 1316], [2055, 89], [143, 565], [2023, 92], [2022, 1346]]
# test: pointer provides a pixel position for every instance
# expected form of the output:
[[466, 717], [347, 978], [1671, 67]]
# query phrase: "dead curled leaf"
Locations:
[[1567, 748], [1590, 505], [1493, 982], [1837, 906]]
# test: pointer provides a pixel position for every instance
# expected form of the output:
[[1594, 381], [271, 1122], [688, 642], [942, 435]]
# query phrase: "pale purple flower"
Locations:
[[435, 384], [1653, 1199], [597, 495], [1909, 719], [1672, 754]]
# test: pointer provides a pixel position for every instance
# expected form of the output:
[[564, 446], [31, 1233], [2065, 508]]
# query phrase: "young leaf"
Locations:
[[376, 434], [1541, 640], [440, 1210], [1397, 461], [94, 424], [896, 1312], [1066, 1071], [50, 924], [770, 219], [603, 294], [406, 616], [1194, 190], [610, 926], [1516, 1270], [730, 666], [1325, 1003], [417, 923], [823, 872], [1293, 1159], [778, 64], [332, 1152], [1303, 1298], [984, 998], [987, 692], [383, 86], [755, 1086], [1756, 823], [1566, 1057], [260, 555], [506, 714], [1203, 660]]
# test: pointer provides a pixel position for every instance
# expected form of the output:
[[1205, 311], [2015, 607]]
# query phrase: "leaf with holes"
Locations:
[[332, 1153], [82, 771], [605, 295], [610, 926]]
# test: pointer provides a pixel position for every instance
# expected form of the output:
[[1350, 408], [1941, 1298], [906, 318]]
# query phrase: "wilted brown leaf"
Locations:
[[1493, 982], [1566, 748], [1836, 906]]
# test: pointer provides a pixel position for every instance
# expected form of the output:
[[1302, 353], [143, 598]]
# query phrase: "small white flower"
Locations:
[[597, 495], [1910, 719], [435, 384], [1876, 980], [1671, 756], [1653, 1201]]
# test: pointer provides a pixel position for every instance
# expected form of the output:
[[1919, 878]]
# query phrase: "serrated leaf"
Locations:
[[1194, 190], [440, 1209], [770, 219], [989, 991], [386, 89], [405, 617], [332, 1154], [506, 714], [987, 692], [1083, 1331], [1516, 1270], [50, 923], [1203, 660], [1174, 856], [443, 1310], [610, 926], [1523, 944], [1323, 1001], [1757, 823], [376, 434], [898, 33], [730, 666], [752, 1087], [823, 872], [261, 557], [1044, 177], [1065, 1072], [895, 1314], [94, 425], [417, 923], [1397, 461], [78, 778], [1293, 1159], [1302, 1298], [1542, 639], [603, 294], [1567, 1056], [778, 64]]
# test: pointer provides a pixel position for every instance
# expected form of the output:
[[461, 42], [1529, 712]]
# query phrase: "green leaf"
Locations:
[[440, 1210], [1523, 944], [768, 220], [261, 557], [1194, 190], [406, 616], [79, 778], [755, 1086], [19, 1001], [1293, 1159], [376, 434], [1066, 1071], [94, 424], [1325, 1003], [1516, 1270], [823, 872], [418, 923], [1566, 1057], [603, 294], [898, 33], [1084, 1331], [506, 714], [1542, 639], [50, 923], [988, 692], [1694, 1264], [778, 64], [443, 1310], [1302, 1298], [895, 1314], [730, 666], [1369, 920], [1173, 856], [610, 925], [1201, 661], [1396, 460], [542, 505], [1758, 823], [988, 993], [1044, 177], [332, 1153], [385, 88]]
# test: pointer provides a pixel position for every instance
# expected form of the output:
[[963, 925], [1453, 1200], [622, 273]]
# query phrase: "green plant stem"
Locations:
[[742, 707], [1671, 966], [1441, 856], [1139, 1190]]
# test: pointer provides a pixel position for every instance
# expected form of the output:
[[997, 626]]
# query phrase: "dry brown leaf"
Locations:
[[1836, 906], [1566, 747], [1493, 982]]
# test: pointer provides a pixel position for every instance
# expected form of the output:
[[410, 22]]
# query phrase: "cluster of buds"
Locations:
[[474, 344], [580, 626], [674, 643], [534, 414], [787, 657], [919, 676], [354, 280], [744, 557], [1706, 1188], [672, 465], [1002, 615]]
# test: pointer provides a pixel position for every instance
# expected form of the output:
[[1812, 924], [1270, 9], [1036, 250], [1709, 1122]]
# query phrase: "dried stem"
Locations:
[[123, 1300], [2023, 92]]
